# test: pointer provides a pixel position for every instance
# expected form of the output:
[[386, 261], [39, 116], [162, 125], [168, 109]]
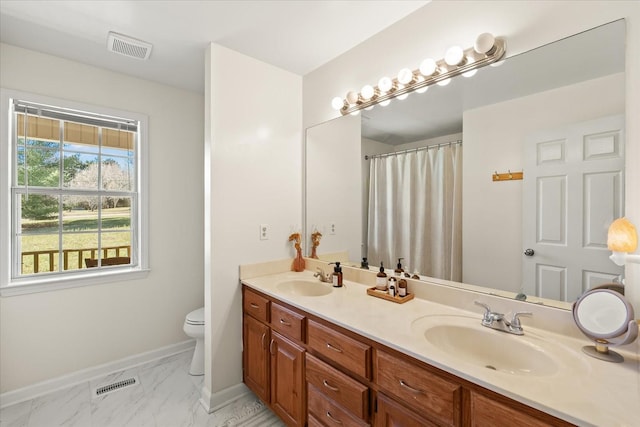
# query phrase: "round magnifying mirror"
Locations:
[[607, 318]]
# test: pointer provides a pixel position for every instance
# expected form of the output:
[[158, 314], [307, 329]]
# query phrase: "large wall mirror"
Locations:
[[556, 113]]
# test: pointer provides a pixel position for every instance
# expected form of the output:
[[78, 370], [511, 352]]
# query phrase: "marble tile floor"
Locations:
[[166, 396]]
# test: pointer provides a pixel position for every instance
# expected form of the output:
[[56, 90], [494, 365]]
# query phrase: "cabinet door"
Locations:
[[391, 414], [255, 356], [287, 380]]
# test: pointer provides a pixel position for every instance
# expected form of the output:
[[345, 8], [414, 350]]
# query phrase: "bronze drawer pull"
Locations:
[[284, 322], [263, 336], [333, 419], [339, 350], [329, 386], [271, 346], [254, 305], [413, 390]]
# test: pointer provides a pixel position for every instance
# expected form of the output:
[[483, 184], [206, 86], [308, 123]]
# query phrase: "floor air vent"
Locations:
[[110, 388]]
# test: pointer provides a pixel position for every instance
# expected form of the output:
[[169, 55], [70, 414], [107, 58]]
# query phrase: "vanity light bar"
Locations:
[[486, 50]]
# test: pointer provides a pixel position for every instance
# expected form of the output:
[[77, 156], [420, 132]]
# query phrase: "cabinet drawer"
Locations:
[[255, 305], [327, 412], [313, 422], [287, 322], [349, 353], [425, 392], [486, 412], [348, 392]]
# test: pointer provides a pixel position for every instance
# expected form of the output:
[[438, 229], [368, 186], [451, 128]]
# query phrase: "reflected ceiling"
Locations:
[[438, 112]]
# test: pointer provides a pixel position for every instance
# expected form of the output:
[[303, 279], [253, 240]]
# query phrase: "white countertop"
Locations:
[[586, 391]]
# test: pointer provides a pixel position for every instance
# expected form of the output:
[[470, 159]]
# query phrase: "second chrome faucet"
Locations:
[[325, 278], [497, 321]]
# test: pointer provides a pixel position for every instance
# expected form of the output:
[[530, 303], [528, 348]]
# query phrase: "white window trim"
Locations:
[[45, 283]]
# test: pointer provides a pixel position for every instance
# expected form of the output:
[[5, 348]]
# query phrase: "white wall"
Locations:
[[253, 158], [49, 334], [332, 182], [494, 136], [526, 24]]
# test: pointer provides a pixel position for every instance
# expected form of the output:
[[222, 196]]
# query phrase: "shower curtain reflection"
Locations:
[[415, 211]]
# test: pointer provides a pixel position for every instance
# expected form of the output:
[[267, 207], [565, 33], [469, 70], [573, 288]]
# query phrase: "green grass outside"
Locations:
[[79, 232]]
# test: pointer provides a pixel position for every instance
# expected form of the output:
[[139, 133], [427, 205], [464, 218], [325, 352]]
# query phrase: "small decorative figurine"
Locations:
[[298, 261], [315, 242]]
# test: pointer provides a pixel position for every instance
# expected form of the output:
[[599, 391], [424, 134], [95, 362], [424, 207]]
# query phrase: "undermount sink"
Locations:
[[465, 339], [305, 288]]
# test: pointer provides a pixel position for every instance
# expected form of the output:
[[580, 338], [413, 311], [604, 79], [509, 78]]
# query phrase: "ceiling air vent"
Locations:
[[128, 46]]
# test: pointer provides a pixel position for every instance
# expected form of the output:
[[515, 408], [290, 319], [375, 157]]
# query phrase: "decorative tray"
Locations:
[[385, 295]]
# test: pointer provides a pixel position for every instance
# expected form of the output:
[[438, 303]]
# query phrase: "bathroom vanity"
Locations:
[[323, 356]]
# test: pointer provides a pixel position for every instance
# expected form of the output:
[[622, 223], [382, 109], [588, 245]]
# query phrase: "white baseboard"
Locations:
[[214, 401], [77, 377]]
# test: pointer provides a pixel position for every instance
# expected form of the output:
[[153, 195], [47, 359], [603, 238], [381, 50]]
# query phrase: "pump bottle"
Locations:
[[337, 275], [381, 279], [398, 271]]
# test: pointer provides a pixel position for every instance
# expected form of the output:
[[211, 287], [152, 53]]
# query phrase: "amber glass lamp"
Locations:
[[622, 240]]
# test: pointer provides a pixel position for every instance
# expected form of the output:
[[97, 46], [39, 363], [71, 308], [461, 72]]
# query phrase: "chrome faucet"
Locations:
[[325, 278], [497, 321]]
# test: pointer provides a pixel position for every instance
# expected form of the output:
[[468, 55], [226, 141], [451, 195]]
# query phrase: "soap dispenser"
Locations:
[[398, 271], [381, 279], [402, 288], [337, 275]]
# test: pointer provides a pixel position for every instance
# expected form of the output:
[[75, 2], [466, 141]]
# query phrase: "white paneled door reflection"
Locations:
[[573, 189]]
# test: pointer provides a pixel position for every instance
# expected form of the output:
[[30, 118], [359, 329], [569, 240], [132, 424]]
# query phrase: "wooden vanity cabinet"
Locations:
[[273, 356], [311, 372]]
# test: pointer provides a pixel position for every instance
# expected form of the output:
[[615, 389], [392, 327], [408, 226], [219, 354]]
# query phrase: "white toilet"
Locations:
[[194, 327]]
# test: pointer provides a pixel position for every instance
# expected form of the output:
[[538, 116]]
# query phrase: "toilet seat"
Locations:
[[196, 317]]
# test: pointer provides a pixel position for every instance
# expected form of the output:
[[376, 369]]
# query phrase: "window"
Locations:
[[74, 192]]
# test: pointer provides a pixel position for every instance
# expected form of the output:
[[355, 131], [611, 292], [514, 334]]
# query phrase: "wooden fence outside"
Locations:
[[50, 257]]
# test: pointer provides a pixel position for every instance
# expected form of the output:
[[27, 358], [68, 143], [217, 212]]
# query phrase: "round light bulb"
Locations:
[[385, 84], [367, 92], [422, 89], [484, 43], [337, 103], [405, 76], [385, 103], [454, 55], [428, 67], [470, 73], [444, 82], [352, 97]]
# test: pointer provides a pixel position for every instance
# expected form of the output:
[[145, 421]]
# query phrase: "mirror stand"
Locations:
[[607, 318], [601, 351]]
